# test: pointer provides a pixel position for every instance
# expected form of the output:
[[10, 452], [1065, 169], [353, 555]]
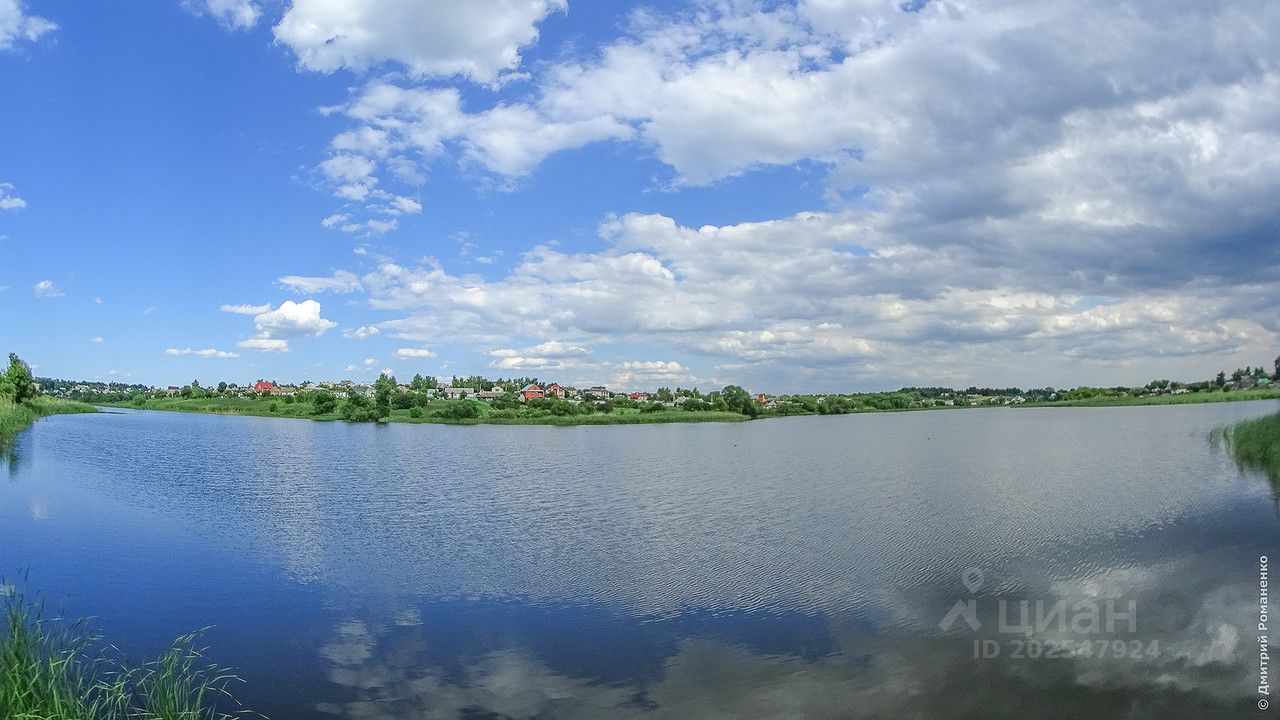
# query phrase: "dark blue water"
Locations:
[[793, 568]]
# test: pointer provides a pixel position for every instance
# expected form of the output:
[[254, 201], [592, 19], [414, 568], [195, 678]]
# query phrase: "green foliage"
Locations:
[[1256, 444], [457, 410], [17, 383], [323, 402], [383, 390], [57, 670], [415, 412], [737, 399], [358, 408]]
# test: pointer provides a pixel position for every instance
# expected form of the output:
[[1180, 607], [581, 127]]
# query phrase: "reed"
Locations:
[[56, 669]]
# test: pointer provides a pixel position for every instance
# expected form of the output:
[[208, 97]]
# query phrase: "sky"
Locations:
[[821, 195]]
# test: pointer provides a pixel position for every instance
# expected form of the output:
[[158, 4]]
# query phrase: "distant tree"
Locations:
[[383, 390], [323, 402], [1221, 380], [358, 408], [1277, 368], [423, 384], [738, 400], [222, 387]]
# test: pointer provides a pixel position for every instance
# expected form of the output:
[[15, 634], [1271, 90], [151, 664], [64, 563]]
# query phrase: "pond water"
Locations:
[[800, 567]]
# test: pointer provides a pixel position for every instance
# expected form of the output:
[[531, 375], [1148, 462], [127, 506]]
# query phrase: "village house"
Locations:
[[458, 393], [493, 394], [263, 386], [530, 392], [554, 390]]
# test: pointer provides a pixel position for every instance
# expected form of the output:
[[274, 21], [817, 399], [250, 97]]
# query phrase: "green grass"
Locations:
[[1255, 443], [16, 417], [51, 669], [1185, 399]]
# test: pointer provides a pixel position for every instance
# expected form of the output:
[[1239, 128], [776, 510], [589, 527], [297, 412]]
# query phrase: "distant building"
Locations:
[[532, 391], [262, 386], [554, 390], [458, 393]]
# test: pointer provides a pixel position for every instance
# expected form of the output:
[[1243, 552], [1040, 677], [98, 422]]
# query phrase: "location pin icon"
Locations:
[[972, 579]]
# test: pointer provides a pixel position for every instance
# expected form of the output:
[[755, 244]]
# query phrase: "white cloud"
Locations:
[[477, 40], [9, 201], [341, 281], [414, 353], [651, 373], [97, 301], [232, 14], [245, 309], [290, 320], [16, 24], [293, 319], [205, 353], [46, 289], [264, 344], [96, 339], [366, 364], [361, 333]]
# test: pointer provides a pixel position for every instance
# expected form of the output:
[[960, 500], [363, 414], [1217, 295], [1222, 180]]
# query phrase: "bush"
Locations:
[[323, 402], [415, 412], [458, 410]]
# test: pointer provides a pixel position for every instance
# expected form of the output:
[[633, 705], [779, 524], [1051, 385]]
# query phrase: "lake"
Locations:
[[798, 568]]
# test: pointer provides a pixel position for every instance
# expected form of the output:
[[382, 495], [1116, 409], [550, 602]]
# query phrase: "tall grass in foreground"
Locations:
[[1255, 443], [52, 669]]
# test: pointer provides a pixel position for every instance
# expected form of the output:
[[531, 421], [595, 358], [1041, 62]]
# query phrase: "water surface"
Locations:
[[783, 568]]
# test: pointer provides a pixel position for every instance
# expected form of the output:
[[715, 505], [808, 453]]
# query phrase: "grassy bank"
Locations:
[[57, 670], [1256, 443], [1184, 399], [16, 417], [487, 415]]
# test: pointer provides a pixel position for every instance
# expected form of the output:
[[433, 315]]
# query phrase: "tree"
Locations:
[[383, 388], [1221, 380], [323, 402], [738, 400], [17, 382], [423, 384]]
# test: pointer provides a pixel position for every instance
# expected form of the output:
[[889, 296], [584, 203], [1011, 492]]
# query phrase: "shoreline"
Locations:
[[294, 411], [18, 417]]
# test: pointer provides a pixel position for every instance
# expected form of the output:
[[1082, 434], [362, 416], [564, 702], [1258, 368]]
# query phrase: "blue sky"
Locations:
[[827, 195]]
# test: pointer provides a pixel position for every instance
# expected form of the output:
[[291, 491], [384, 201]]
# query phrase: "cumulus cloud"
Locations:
[[46, 289], [1032, 192], [16, 24], [205, 353], [96, 339], [290, 320], [414, 353], [232, 14], [648, 373], [477, 40], [9, 201]]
